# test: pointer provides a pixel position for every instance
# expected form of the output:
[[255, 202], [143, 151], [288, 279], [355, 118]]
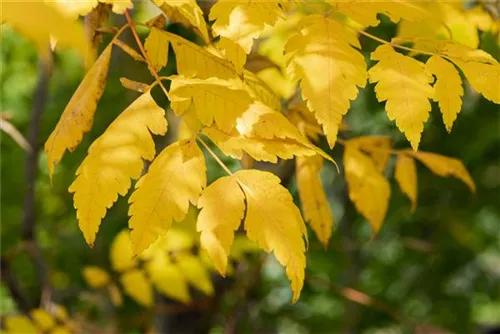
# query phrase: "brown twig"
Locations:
[[131, 23], [30, 173]]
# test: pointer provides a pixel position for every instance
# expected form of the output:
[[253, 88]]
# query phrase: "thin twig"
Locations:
[[214, 155], [383, 41], [131, 23], [159, 82]]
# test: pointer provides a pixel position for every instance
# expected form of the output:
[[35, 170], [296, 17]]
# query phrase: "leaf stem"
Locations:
[[131, 23], [383, 41], [223, 165], [158, 79], [119, 32]]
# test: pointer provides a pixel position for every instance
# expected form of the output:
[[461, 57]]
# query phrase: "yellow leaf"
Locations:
[[177, 239], [186, 12], [274, 222], [278, 82], [73, 8], [167, 278], [377, 147], [233, 52], [213, 99], [115, 295], [330, 69], [60, 312], [156, 46], [445, 21], [222, 207], [95, 276], [137, 286], [481, 69], [19, 323], [315, 205], [195, 273], [113, 159], [262, 122], [175, 178], [483, 77], [134, 85], [365, 12], [243, 22], [479, 17], [235, 145], [265, 135], [405, 85], [119, 6], [406, 175], [78, 115], [446, 166], [260, 90], [368, 188], [304, 119], [241, 246], [193, 60], [120, 253], [448, 88], [38, 20], [42, 319]]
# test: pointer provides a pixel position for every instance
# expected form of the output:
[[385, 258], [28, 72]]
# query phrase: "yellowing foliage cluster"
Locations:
[[267, 111]]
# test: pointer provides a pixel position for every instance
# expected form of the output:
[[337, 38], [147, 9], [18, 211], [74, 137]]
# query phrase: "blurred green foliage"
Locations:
[[438, 265]]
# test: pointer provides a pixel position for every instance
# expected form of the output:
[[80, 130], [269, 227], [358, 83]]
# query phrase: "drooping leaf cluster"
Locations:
[[264, 113]]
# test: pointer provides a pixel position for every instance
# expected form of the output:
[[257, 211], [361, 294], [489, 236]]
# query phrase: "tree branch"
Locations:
[[30, 174], [10, 281]]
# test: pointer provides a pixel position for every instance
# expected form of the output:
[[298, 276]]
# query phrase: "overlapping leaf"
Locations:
[[186, 12], [233, 52], [214, 100], [323, 57], [377, 147], [265, 135], [405, 85], [448, 89], [113, 160], [223, 206], [481, 69], [175, 179], [260, 91], [271, 219]]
